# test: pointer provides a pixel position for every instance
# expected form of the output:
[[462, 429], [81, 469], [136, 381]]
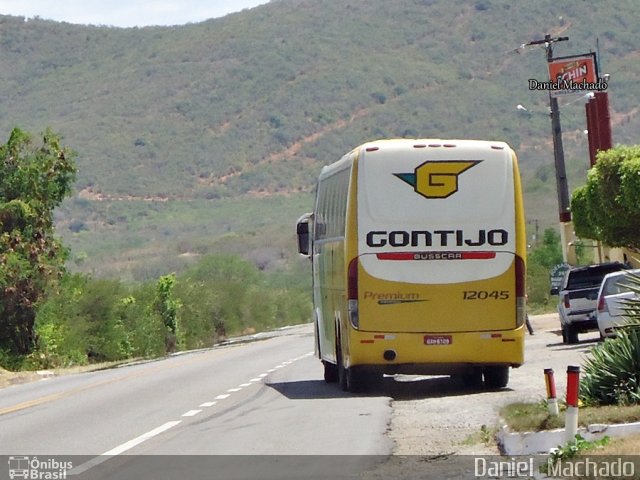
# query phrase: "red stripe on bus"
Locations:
[[403, 256], [395, 256], [479, 255]]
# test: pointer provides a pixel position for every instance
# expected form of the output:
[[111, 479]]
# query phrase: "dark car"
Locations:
[[578, 298]]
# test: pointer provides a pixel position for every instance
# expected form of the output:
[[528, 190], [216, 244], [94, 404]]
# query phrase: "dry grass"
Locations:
[[10, 378], [622, 446], [534, 417]]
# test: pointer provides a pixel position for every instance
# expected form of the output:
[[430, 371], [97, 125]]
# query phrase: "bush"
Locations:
[[86, 320], [612, 373], [539, 263], [81, 322], [225, 295], [94, 320], [607, 208]]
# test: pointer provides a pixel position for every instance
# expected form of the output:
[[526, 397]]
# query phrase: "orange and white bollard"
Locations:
[[571, 416], [552, 401]]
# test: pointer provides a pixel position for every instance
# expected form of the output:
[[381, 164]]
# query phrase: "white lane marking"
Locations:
[[191, 413], [163, 428], [95, 461], [142, 438], [233, 390], [243, 385]]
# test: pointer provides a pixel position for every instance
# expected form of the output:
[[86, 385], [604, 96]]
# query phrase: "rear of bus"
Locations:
[[437, 279]]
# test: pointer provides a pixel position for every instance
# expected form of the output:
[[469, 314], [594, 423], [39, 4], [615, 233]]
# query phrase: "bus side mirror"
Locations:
[[304, 235]]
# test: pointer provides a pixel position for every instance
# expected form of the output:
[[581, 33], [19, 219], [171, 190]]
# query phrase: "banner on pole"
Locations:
[[574, 74]]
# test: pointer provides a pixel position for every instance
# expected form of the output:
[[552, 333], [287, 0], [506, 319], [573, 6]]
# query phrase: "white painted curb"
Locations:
[[529, 443]]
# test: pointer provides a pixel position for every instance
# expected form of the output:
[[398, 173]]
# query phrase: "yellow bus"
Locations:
[[418, 259]]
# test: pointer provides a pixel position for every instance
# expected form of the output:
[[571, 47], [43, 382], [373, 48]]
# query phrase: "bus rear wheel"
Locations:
[[356, 380], [330, 372], [341, 370], [350, 379], [496, 377], [473, 378]]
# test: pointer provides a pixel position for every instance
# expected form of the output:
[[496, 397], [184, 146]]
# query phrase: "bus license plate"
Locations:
[[438, 340]]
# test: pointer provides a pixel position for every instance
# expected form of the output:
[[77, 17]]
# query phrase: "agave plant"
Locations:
[[612, 372], [632, 305]]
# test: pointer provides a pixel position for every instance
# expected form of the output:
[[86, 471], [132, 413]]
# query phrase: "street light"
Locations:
[[525, 110]]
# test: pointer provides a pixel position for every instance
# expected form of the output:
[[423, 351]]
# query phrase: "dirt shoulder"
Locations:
[[8, 378], [445, 417]]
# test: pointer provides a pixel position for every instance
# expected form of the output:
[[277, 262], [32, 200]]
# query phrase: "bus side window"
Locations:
[[320, 226]]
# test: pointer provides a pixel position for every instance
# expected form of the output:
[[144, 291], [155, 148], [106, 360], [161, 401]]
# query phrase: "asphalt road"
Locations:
[[258, 405]]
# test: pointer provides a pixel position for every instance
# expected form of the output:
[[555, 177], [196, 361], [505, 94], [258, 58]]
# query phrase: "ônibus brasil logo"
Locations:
[[32, 468], [435, 179]]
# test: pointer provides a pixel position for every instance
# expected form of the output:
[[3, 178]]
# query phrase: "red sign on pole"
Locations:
[[574, 74]]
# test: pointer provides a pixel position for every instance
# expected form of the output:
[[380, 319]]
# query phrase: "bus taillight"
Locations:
[[352, 292], [521, 293]]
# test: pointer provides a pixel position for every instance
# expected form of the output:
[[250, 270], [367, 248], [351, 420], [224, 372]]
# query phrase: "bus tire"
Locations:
[[356, 380], [342, 372], [330, 372], [496, 377], [473, 378]]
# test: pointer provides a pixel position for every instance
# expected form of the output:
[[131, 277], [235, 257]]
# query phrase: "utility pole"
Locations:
[[564, 212]]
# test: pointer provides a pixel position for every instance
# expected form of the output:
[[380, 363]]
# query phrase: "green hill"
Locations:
[[208, 137]]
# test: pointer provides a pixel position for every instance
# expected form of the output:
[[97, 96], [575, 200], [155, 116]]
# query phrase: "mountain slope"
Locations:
[[254, 103]]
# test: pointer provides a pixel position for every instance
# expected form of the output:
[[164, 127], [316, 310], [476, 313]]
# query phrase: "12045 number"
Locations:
[[485, 295]]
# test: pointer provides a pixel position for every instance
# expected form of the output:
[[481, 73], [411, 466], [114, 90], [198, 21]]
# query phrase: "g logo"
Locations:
[[435, 179]]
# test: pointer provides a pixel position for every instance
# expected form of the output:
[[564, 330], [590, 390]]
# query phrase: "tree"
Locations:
[[34, 179], [607, 207], [549, 252], [166, 306]]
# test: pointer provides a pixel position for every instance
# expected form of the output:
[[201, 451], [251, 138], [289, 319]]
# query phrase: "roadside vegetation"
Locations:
[[606, 208], [86, 320], [55, 318], [82, 320], [541, 259]]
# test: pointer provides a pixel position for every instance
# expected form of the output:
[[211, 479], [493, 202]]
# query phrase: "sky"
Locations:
[[126, 13]]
